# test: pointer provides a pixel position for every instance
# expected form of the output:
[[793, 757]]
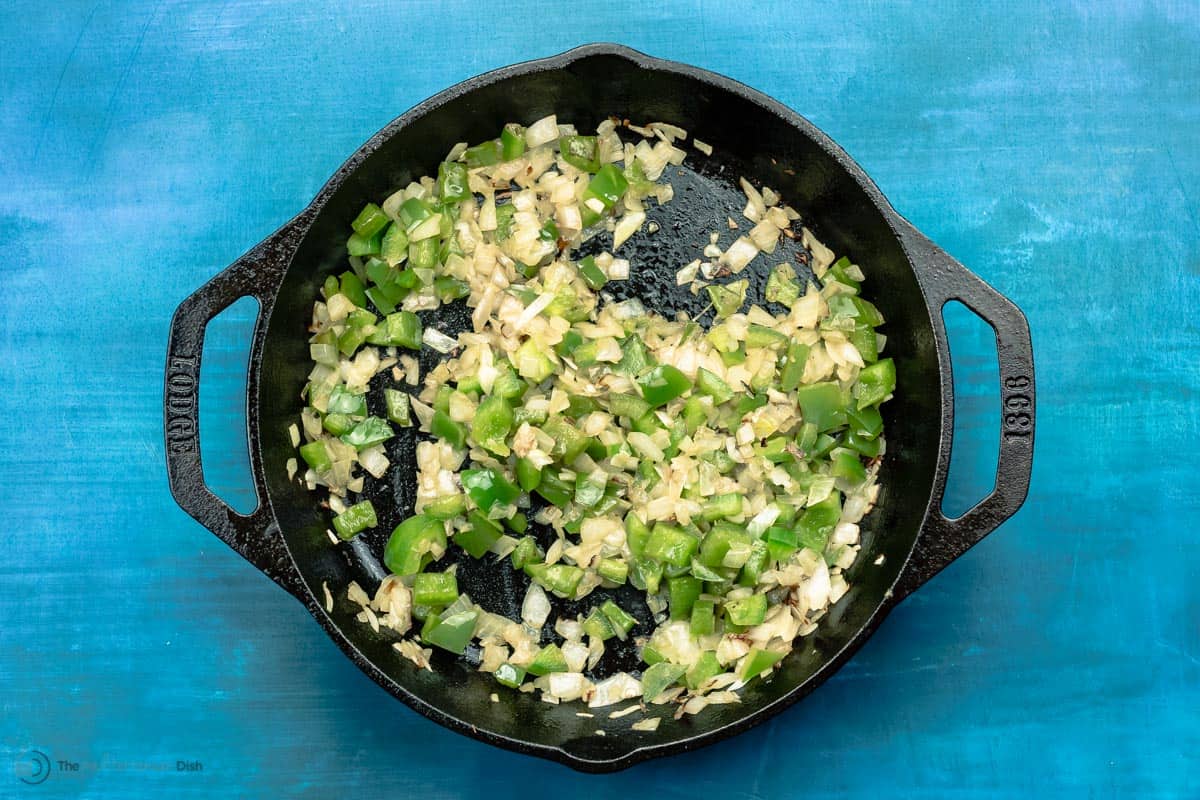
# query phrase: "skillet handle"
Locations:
[[254, 536], [942, 539]]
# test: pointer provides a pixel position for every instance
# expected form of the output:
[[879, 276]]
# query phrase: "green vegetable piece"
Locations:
[[651, 656], [782, 286], [529, 475], [838, 272], [613, 570], [635, 358], [569, 441], [721, 506], [659, 677], [781, 542], [793, 367], [581, 152], [352, 288], [682, 593], [756, 563], [532, 363], [622, 622], [446, 507], [504, 220], [705, 669], [863, 339], [512, 141], [343, 401], [597, 626], [370, 221], [413, 544], [562, 579], [450, 289], [452, 181], [354, 519], [866, 422], [671, 545], [452, 633], [747, 611], [338, 424], [718, 542], [847, 466], [762, 336], [728, 299], [554, 490], [434, 589], [605, 189], [870, 448], [478, 537], [646, 574], [401, 329], [488, 488], [526, 552], [663, 384], [509, 675], [517, 523], [549, 659], [711, 384], [587, 491], [493, 420], [446, 429], [592, 275], [822, 404], [757, 661], [636, 533], [371, 430], [703, 619], [359, 245], [484, 154], [398, 407], [394, 247], [818, 521], [316, 455], [628, 405], [875, 383]]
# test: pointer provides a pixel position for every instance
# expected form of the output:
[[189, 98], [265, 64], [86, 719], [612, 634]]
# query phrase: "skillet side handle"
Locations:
[[254, 536], [942, 539]]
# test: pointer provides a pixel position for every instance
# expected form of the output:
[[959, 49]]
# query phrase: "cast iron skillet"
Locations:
[[909, 278]]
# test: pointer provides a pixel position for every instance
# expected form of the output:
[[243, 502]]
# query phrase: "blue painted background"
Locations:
[[1053, 148]]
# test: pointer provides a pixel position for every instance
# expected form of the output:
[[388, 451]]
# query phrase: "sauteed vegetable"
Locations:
[[719, 464]]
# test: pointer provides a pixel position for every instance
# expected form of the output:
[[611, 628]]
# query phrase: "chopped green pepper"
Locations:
[[747, 611], [371, 430], [581, 152], [659, 677], [493, 420], [478, 538], [413, 544], [757, 662], [549, 659], [488, 488], [663, 384], [355, 519], [452, 633], [316, 456], [875, 383], [434, 589], [446, 429], [452, 181], [622, 622], [512, 142]]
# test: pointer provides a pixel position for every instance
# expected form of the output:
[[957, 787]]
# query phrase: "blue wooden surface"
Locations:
[[1055, 149]]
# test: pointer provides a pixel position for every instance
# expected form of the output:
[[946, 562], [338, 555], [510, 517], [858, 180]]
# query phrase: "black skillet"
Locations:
[[906, 539]]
